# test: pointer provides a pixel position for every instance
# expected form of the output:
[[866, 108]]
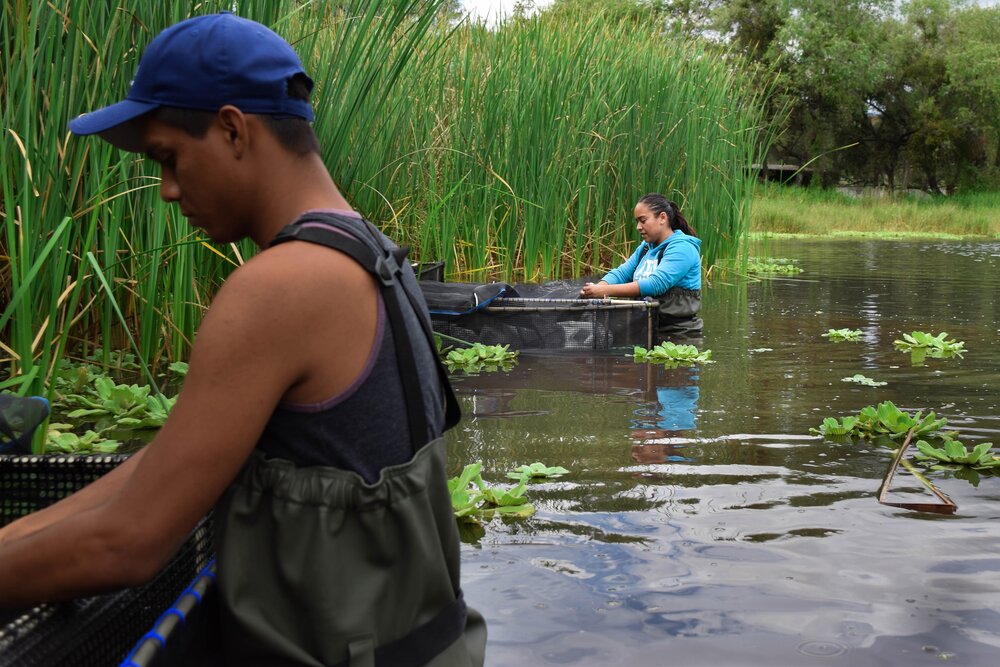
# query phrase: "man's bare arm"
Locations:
[[96, 493], [243, 360]]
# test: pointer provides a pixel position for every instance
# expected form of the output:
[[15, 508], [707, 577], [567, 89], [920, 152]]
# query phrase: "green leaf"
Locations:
[[932, 452], [77, 414], [956, 451], [536, 469]]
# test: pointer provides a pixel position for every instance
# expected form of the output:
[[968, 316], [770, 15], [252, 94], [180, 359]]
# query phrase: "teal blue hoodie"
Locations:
[[679, 265]]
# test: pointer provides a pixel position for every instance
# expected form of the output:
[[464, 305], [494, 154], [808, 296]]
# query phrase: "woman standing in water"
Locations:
[[666, 266]]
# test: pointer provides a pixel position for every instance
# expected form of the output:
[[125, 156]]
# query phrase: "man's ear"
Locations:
[[234, 126]]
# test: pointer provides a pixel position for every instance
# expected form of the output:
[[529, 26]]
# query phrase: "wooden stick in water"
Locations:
[[947, 506]]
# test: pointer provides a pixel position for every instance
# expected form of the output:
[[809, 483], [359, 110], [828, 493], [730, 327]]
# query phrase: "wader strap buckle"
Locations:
[[388, 266]]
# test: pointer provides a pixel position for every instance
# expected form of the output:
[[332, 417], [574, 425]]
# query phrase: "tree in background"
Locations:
[[874, 92]]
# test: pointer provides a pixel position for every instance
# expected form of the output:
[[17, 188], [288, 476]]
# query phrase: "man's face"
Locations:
[[198, 174]]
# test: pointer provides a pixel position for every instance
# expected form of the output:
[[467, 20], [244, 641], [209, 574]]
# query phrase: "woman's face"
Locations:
[[652, 228]]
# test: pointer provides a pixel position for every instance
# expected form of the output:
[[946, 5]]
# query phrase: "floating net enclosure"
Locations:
[[101, 630], [538, 317]]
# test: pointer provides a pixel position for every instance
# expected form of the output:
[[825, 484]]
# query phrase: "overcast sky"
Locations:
[[491, 10]]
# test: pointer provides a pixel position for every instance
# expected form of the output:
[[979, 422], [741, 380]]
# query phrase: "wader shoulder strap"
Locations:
[[645, 249], [386, 267]]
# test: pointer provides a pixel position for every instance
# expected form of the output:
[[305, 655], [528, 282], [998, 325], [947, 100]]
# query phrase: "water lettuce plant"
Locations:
[[536, 470], [61, 440], [671, 353], [178, 368], [838, 335], [885, 420], [71, 378], [472, 498], [858, 378], [955, 457], [479, 357], [952, 454], [935, 346], [773, 265], [123, 406]]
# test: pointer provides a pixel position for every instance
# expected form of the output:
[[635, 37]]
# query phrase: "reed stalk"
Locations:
[[515, 153], [528, 146]]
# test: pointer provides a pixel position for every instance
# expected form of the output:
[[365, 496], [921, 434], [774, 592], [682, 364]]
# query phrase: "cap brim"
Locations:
[[113, 124]]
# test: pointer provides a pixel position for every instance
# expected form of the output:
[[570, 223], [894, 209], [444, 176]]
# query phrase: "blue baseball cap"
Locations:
[[204, 63]]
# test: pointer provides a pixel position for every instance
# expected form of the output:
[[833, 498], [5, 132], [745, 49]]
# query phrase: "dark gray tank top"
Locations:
[[363, 429]]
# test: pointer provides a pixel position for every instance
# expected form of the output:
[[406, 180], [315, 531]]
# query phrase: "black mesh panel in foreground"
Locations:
[[90, 632]]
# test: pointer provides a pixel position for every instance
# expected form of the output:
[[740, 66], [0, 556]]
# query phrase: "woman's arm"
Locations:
[[618, 282], [602, 289]]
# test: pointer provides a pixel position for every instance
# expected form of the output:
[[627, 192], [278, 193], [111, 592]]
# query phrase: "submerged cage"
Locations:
[[139, 626], [538, 317]]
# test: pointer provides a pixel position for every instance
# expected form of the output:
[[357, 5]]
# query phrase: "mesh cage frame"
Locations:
[[95, 631], [551, 324]]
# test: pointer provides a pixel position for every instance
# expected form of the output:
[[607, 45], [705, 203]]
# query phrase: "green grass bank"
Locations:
[[813, 212]]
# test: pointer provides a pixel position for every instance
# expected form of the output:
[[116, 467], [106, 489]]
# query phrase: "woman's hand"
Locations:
[[594, 290]]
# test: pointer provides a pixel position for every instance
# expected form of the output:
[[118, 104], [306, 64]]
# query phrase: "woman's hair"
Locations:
[[658, 204]]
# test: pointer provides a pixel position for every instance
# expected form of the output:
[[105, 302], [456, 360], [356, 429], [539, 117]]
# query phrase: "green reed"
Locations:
[[516, 152], [65, 199], [528, 146]]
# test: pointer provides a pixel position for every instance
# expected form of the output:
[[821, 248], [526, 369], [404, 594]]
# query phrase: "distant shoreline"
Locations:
[[804, 212]]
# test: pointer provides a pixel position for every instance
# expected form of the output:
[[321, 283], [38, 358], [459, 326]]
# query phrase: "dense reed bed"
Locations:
[[513, 153], [526, 148]]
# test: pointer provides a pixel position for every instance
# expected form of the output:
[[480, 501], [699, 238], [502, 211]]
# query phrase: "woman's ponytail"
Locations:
[[678, 221]]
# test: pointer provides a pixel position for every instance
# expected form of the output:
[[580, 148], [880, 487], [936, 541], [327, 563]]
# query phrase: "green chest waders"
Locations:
[[319, 568], [678, 313]]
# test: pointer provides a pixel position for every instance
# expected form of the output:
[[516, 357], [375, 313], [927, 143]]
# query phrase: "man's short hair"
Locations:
[[293, 133]]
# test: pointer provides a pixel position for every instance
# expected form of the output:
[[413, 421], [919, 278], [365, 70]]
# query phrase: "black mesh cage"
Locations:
[[96, 631], [547, 316], [566, 324]]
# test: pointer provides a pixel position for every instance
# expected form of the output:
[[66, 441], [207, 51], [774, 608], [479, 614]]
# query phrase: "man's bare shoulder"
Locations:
[[299, 263], [312, 307]]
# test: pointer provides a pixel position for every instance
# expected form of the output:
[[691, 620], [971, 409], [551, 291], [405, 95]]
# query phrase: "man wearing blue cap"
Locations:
[[312, 413]]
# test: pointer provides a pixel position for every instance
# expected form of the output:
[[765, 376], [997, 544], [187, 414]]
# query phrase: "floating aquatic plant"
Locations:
[[952, 454], [61, 440], [886, 420], [71, 378], [477, 357], [472, 498], [179, 368], [935, 346], [126, 406], [773, 265], [858, 378], [838, 335], [537, 470], [955, 457], [671, 353]]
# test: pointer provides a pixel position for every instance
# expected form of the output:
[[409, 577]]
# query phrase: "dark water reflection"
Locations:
[[702, 525]]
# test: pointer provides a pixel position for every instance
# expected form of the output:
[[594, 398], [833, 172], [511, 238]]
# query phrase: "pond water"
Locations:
[[701, 524]]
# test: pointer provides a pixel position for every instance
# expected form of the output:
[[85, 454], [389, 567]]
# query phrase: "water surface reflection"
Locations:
[[702, 525]]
